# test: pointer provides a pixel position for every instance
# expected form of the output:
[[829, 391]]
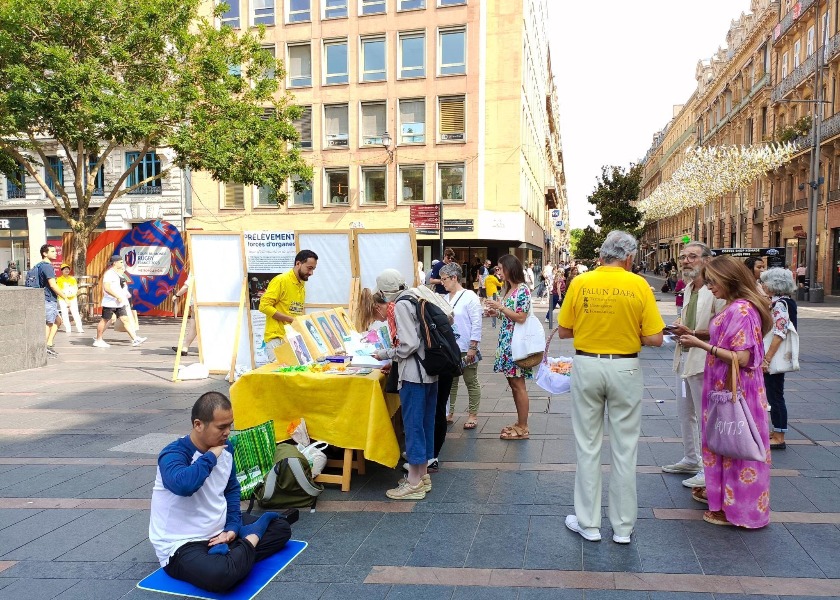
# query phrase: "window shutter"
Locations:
[[373, 120], [303, 124], [452, 118], [234, 195]]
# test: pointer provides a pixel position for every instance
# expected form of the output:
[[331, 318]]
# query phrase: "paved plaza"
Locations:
[[78, 441]]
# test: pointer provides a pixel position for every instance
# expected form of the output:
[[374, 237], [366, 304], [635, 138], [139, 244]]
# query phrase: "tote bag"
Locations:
[[528, 342], [730, 429], [786, 358], [551, 382]]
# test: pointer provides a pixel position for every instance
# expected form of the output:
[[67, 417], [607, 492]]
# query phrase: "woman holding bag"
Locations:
[[778, 284], [737, 491], [514, 307]]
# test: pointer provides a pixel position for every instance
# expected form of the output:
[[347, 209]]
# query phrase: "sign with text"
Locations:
[[425, 217], [773, 257]]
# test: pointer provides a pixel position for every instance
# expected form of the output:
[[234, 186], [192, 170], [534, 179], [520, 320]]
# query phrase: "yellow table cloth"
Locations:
[[348, 411]]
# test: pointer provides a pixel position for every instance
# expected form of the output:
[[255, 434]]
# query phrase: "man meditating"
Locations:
[[197, 529]]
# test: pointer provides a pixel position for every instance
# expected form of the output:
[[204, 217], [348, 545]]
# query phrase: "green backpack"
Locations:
[[289, 483]]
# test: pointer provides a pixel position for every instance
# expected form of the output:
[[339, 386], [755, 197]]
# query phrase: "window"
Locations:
[[299, 11], [231, 17], [303, 197], [270, 73], [412, 121], [451, 182], [763, 121], [451, 2], [809, 45], [303, 124], [264, 196], [338, 186], [784, 65], [411, 4], [748, 132], [300, 65], [452, 52], [149, 166], [335, 54], [335, 9], [372, 7], [373, 184], [373, 123], [335, 126], [99, 184], [263, 12], [373, 59], [411, 184], [58, 168], [16, 186], [234, 195], [412, 55], [451, 119], [797, 45]]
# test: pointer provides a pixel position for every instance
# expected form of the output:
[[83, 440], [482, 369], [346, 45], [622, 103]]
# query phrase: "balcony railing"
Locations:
[[13, 191], [805, 70], [775, 209], [146, 190], [828, 129], [833, 196], [802, 203], [788, 20]]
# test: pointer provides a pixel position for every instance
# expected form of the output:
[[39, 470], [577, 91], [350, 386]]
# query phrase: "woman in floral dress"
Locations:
[[737, 491], [514, 307]]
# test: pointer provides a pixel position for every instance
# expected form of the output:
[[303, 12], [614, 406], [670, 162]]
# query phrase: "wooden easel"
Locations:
[[184, 317]]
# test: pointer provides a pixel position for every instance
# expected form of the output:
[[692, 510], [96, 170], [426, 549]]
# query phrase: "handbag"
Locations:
[[786, 358], [730, 428], [527, 346], [253, 455]]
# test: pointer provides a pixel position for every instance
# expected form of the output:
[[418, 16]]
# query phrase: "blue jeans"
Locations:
[[553, 302], [419, 404]]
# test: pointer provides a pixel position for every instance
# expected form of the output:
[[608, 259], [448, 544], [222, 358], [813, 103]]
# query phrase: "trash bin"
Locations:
[[817, 295], [801, 294]]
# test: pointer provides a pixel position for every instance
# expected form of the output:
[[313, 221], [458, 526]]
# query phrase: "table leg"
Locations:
[[359, 463]]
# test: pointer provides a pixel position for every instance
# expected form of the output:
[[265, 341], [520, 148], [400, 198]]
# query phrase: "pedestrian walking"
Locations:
[[115, 302], [42, 275]]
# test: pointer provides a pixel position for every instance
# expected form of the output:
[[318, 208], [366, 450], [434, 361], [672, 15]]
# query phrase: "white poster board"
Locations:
[[380, 249], [218, 267], [267, 254], [330, 284]]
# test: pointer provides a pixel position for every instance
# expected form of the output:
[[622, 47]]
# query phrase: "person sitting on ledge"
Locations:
[[196, 527]]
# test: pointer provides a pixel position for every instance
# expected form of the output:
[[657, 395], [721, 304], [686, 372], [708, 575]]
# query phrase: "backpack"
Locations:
[[14, 275], [442, 356], [33, 277], [289, 483]]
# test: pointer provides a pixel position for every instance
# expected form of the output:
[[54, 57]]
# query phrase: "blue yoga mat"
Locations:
[[262, 573]]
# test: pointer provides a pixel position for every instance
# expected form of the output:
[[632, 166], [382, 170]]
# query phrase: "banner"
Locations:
[[267, 255]]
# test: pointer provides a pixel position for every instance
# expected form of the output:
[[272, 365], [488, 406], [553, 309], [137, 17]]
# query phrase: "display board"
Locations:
[[330, 284], [773, 257], [386, 249]]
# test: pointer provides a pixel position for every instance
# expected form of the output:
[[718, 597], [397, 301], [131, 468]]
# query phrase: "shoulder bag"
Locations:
[[527, 346], [786, 358], [730, 428]]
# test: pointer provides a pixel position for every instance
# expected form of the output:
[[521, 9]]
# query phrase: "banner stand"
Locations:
[[184, 319]]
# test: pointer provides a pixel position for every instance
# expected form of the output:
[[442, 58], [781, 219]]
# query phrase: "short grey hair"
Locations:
[[705, 250], [453, 269], [617, 246], [778, 281]]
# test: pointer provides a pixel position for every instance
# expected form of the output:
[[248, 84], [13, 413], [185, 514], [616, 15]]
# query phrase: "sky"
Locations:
[[620, 67]]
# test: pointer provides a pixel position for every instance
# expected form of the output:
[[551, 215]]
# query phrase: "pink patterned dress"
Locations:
[[741, 488]]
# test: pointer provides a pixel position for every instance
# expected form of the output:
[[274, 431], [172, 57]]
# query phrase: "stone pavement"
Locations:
[[78, 441]]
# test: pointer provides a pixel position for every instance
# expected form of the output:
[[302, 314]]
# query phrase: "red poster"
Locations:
[[59, 253]]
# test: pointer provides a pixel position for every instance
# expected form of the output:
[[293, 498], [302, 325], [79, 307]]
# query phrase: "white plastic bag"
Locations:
[[314, 453], [551, 382], [193, 371], [528, 340]]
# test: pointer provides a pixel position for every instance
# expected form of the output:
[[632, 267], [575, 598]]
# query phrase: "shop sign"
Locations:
[[153, 261], [458, 225], [5, 224], [555, 213], [773, 257], [664, 245]]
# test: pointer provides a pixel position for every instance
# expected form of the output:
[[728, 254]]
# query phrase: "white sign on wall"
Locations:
[[153, 261]]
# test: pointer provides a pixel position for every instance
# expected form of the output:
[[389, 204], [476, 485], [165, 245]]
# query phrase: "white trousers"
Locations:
[[73, 306], [689, 409], [617, 385]]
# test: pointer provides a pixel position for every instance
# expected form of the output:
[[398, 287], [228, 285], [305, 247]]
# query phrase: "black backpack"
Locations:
[[443, 356]]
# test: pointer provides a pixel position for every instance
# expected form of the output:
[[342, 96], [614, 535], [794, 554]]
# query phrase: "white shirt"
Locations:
[[529, 277], [548, 272], [467, 312], [112, 279]]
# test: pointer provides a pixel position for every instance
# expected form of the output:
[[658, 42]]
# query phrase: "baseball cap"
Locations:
[[389, 283], [115, 259], [64, 266]]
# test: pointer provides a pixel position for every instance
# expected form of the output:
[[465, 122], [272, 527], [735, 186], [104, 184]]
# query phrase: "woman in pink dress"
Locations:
[[737, 491]]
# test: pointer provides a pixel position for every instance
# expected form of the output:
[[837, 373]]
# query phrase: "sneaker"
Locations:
[[622, 539], [138, 340], [682, 467], [697, 481], [406, 491], [590, 534], [184, 351], [427, 483], [101, 344], [51, 351]]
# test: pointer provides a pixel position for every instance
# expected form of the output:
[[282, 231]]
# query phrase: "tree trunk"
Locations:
[[81, 240]]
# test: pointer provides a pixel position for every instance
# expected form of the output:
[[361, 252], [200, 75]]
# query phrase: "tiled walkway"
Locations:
[[77, 443]]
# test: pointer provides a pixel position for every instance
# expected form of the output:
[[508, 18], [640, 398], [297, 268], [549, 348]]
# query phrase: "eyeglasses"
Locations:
[[691, 257]]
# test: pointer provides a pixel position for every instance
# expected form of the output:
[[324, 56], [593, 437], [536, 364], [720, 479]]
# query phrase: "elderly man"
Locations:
[[698, 306], [611, 313], [196, 526]]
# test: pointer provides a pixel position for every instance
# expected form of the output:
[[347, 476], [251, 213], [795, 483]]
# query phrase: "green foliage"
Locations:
[[615, 191], [95, 75], [589, 244], [574, 240], [800, 128]]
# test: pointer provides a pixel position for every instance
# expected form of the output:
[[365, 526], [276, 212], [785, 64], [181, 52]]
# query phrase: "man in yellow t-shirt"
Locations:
[[70, 288], [611, 313], [285, 297]]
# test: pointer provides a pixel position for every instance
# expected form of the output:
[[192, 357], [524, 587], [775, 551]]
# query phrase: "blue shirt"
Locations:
[[46, 272], [435, 274]]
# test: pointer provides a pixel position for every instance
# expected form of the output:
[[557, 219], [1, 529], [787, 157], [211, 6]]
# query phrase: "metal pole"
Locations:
[[696, 223], [815, 166]]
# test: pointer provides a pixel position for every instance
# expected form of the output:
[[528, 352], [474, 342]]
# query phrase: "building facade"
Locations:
[[28, 219], [411, 103]]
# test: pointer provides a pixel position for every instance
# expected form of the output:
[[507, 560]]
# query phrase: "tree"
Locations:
[[614, 192], [574, 240], [589, 244], [85, 77]]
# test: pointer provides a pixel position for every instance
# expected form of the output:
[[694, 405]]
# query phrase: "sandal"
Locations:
[[514, 432], [699, 494], [716, 517], [470, 423], [450, 419]]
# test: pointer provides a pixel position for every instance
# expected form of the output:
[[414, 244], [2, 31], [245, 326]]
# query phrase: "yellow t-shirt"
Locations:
[[492, 284], [68, 286], [609, 309], [287, 294]]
